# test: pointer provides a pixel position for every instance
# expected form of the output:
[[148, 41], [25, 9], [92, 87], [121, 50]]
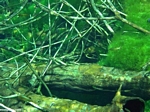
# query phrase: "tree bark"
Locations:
[[91, 77], [81, 77]]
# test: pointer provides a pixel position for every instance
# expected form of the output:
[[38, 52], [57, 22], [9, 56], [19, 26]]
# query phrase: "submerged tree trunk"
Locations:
[[82, 77], [91, 77]]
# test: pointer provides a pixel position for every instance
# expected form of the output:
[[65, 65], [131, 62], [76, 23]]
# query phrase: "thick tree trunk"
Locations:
[[91, 77], [82, 77]]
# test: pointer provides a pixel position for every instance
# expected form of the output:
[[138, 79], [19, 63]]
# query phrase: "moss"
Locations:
[[128, 51], [137, 13], [147, 106]]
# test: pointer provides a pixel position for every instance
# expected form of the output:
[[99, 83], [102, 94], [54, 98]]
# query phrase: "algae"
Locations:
[[147, 105], [137, 12], [129, 52], [129, 48]]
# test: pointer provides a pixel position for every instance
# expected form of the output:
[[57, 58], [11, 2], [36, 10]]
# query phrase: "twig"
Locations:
[[6, 108], [101, 16], [118, 16], [38, 76], [25, 22], [17, 11]]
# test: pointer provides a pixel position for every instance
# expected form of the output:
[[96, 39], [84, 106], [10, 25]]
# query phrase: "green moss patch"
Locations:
[[130, 48], [128, 51], [137, 12]]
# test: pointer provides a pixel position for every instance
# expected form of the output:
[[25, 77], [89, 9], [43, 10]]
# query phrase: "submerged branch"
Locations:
[[119, 17]]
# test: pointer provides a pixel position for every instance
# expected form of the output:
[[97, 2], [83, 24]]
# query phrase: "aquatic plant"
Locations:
[[129, 47], [138, 12], [64, 27], [147, 106], [129, 51]]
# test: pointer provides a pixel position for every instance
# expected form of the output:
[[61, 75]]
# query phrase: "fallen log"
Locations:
[[31, 102], [91, 77], [119, 104], [81, 77]]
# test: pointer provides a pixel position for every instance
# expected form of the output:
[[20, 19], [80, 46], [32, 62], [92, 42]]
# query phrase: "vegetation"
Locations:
[[63, 32], [137, 13], [147, 108], [129, 51], [129, 48]]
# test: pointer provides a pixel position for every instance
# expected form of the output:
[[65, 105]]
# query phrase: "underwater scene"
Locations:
[[75, 55]]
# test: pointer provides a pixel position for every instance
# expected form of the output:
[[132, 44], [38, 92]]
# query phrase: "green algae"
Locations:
[[130, 49], [129, 52], [137, 12], [147, 105]]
